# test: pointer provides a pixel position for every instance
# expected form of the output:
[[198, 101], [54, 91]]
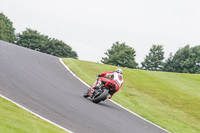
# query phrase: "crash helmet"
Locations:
[[119, 70]]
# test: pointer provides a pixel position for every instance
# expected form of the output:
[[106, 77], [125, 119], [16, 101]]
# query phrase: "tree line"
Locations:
[[34, 40], [185, 60]]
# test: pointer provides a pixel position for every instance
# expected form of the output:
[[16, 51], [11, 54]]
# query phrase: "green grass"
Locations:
[[170, 100], [14, 119]]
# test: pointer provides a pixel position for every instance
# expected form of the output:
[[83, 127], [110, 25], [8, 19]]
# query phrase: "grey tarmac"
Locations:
[[40, 83]]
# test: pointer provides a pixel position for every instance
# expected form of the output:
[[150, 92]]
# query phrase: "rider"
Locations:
[[115, 80]]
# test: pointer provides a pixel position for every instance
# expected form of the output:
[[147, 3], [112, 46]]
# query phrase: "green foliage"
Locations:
[[7, 32], [153, 61], [16, 120], [120, 55], [167, 65], [34, 40], [59, 48], [185, 60]]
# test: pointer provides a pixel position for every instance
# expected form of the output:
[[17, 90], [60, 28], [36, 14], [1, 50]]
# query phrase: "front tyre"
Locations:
[[86, 94], [101, 97]]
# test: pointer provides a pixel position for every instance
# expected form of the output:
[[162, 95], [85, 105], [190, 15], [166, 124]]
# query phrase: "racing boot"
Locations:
[[86, 94]]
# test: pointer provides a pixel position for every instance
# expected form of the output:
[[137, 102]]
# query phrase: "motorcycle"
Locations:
[[99, 92]]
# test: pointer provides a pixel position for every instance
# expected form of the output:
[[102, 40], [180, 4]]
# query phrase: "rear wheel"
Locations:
[[101, 97]]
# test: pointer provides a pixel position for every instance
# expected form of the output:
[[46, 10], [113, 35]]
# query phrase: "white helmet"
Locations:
[[119, 70]]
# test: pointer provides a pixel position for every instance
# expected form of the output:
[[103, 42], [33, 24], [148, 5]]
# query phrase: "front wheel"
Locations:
[[86, 94], [101, 97]]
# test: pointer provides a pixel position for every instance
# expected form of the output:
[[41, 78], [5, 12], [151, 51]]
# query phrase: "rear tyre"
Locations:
[[101, 97]]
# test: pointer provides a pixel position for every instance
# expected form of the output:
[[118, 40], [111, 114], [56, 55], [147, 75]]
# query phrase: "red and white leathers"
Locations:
[[115, 78]]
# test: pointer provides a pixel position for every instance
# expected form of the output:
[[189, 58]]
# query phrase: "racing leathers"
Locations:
[[115, 81]]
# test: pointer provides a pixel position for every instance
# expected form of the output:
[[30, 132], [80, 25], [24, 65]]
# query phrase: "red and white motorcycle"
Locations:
[[99, 92]]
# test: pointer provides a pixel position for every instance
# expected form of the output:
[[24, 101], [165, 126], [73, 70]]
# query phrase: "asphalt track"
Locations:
[[41, 83]]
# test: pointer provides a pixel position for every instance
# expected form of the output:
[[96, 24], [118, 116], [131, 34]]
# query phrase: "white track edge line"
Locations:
[[39, 116], [110, 99]]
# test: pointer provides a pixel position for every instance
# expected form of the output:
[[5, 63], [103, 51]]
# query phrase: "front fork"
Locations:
[[97, 84]]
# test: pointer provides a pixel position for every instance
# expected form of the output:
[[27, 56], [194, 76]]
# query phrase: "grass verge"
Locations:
[[14, 119], [170, 100]]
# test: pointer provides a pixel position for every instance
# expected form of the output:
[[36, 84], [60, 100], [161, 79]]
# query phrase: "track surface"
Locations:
[[40, 83]]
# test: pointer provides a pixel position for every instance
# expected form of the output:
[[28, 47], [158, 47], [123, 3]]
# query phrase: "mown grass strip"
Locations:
[[170, 100], [14, 119]]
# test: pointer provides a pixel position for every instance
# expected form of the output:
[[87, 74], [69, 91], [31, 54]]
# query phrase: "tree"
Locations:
[[34, 40], [59, 48], [194, 58], [7, 32], [178, 61], [185, 60], [168, 64], [120, 55], [154, 61]]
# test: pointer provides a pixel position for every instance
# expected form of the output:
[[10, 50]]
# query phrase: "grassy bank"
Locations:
[[170, 100], [14, 119]]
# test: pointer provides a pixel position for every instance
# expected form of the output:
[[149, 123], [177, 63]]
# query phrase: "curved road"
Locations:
[[41, 83]]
